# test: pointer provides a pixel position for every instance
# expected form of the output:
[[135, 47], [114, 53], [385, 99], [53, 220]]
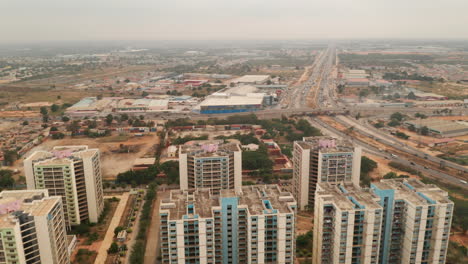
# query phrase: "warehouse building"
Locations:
[[220, 103], [440, 128], [251, 79]]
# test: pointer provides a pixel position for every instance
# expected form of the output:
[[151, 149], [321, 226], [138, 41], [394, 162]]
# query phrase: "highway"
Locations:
[[431, 173], [380, 136]]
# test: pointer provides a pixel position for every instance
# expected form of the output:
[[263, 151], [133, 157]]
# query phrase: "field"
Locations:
[[452, 90]]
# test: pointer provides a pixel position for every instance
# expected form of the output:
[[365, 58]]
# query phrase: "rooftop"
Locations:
[[251, 79], [439, 125], [208, 148], [347, 196], [326, 144], [232, 100], [61, 155], [33, 202], [251, 197], [414, 191]]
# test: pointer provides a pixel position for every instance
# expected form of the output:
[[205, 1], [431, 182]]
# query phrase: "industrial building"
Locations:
[[251, 79], [396, 221], [32, 228], [206, 164], [243, 98], [356, 74], [220, 103], [440, 128], [357, 82], [73, 173], [255, 224], [141, 105], [91, 106], [322, 159]]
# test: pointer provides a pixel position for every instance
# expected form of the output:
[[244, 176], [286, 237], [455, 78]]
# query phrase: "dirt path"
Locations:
[[109, 238], [152, 252]]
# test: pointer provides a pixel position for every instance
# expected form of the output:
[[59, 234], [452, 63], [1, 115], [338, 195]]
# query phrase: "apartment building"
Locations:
[[253, 225], [32, 228], [394, 221], [72, 172], [322, 159], [416, 221], [347, 223], [210, 164]]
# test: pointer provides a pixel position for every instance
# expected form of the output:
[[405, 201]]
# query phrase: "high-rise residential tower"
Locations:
[[253, 225], [32, 228], [322, 159], [72, 172], [205, 164], [347, 223], [396, 221], [416, 221]]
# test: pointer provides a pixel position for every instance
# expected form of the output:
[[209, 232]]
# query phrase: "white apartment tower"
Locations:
[[210, 164], [72, 172], [347, 223], [32, 228], [396, 221], [322, 159], [253, 225]]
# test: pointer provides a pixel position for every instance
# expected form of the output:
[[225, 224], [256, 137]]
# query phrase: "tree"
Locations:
[[54, 108], [44, 110], [74, 127], [367, 165], [144, 94], [124, 117], [397, 116], [45, 118], [114, 248], [109, 119], [59, 97], [25, 123], [99, 97], [424, 131], [411, 96], [58, 136], [65, 119], [118, 229], [6, 179]]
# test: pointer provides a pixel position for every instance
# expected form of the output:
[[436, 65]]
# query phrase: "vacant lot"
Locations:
[[112, 161]]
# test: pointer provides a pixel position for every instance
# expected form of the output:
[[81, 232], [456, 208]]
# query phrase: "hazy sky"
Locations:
[[50, 20]]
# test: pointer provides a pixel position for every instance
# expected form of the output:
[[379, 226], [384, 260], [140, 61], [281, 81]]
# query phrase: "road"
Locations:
[[431, 173], [152, 244], [369, 130], [109, 237]]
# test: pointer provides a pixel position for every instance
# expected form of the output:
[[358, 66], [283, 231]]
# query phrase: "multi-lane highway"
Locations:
[[427, 171]]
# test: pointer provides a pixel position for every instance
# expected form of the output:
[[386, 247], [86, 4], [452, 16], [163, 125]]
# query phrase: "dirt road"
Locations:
[[109, 238]]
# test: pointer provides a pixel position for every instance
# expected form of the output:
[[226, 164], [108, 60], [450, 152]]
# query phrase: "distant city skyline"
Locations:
[[53, 20]]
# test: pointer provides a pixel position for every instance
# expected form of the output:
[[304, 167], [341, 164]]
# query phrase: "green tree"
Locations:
[[144, 94], [65, 119], [397, 116], [411, 96], [424, 130], [44, 111], [6, 179], [99, 97], [54, 108], [109, 119], [367, 165], [25, 123], [114, 248]]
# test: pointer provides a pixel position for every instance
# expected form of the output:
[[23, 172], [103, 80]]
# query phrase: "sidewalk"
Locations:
[[109, 238]]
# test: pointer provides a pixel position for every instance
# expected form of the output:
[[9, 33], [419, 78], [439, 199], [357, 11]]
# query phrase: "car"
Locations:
[[394, 156], [464, 182]]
